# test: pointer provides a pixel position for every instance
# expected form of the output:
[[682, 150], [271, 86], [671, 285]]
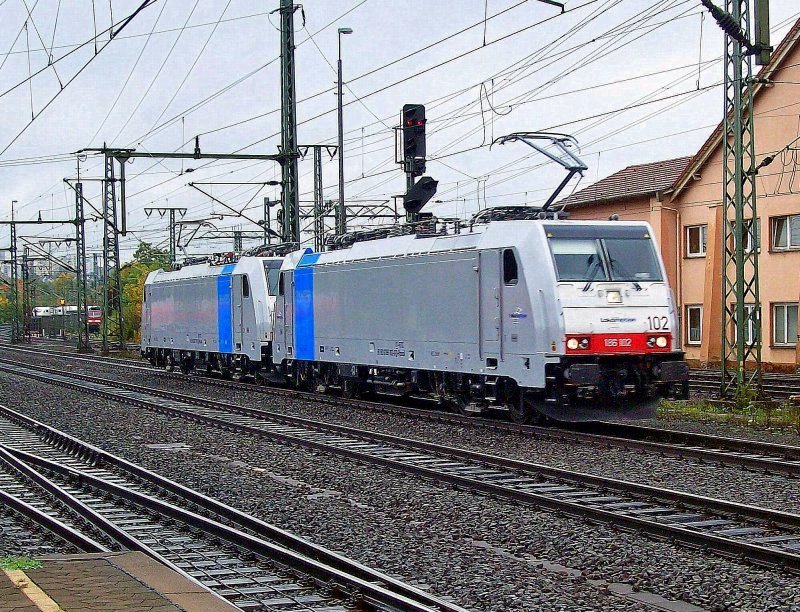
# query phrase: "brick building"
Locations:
[[682, 199]]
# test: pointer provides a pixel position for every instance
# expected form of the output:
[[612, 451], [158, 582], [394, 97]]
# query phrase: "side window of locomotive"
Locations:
[[245, 287], [273, 271], [280, 285], [510, 272]]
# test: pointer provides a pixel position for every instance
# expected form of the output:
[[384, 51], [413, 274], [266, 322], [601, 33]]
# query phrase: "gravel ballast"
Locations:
[[776, 491], [487, 554]]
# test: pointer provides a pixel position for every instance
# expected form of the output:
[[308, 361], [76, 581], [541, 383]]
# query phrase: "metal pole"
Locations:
[[267, 239], [172, 249], [410, 217], [80, 273], [741, 306], [14, 282], [290, 196], [319, 219], [26, 297], [341, 225], [113, 331]]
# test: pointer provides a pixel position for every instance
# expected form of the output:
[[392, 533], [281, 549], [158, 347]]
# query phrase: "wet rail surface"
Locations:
[[737, 452], [760, 535], [75, 487]]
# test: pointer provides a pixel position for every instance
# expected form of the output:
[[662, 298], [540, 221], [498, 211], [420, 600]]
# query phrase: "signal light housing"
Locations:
[[413, 132]]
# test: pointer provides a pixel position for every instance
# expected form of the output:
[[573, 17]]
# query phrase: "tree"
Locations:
[[149, 255], [63, 287], [133, 276]]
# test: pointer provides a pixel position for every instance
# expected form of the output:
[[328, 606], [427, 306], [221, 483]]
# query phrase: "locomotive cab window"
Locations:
[[245, 287], [510, 270], [622, 254], [280, 285], [578, 259], [272, 270]]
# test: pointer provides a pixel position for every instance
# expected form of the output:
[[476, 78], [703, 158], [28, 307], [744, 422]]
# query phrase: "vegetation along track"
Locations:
[[762, 456], [254, 565], [761, 535]]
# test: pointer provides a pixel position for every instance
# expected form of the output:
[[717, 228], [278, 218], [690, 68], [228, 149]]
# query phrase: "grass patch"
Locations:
[[758, 415], [19, 563]]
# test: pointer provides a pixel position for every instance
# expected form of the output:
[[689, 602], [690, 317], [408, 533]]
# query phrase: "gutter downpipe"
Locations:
[[678, 275]]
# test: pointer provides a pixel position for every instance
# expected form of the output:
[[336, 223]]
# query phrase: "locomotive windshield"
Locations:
[[626, 255]]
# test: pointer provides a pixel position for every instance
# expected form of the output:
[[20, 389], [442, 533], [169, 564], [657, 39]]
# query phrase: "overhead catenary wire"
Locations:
[[143, 5]]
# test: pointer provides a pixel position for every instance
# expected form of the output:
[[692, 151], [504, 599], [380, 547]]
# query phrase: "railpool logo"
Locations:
[[518, 314]]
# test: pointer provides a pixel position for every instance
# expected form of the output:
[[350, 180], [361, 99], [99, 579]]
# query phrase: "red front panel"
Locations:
[[616, 344]]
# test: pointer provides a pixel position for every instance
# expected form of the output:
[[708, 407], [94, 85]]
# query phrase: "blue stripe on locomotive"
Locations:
[[304, 306], [224, 312]]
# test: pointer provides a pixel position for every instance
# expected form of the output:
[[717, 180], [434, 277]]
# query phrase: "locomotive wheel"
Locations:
[[459, 404], [187, 364], [519, 410], [351, 389]]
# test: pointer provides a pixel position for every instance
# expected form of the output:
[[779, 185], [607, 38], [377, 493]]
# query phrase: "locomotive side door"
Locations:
[[288, 311], [237, 300], [284, 315], [146, 306], [490, 300]]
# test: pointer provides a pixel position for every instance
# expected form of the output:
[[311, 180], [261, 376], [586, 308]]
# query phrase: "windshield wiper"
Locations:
[[591, 273], [623, 272]]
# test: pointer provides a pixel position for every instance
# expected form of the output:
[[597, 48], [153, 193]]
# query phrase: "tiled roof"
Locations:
[[641, 179], [780, 53]]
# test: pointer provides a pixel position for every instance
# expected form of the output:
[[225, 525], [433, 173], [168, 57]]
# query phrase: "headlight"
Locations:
[[583, 343], [661, 341], [572, 344]]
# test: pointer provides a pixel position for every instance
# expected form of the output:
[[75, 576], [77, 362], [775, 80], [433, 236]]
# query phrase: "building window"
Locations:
[[748, 234], [784, 324], [786, 232], [694, 324], [751, 331], [696, 240], [510, 273]]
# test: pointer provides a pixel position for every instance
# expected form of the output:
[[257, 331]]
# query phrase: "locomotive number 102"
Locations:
[[658, 323]]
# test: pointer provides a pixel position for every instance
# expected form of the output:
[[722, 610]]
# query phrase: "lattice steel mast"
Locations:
[[741, 304], [112, 329], [290, 196]]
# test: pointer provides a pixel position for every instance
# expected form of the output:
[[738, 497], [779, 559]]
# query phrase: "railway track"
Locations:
[[252, 564], [762, 456], [776, 386], [760, 535]]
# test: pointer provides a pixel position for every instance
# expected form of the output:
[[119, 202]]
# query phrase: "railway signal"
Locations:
[[414, 135], [419, 195]]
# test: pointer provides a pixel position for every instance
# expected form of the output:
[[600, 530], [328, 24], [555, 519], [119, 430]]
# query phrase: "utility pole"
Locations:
[[290, 199], [14, 280], [16, 331], [741, 304], [318, 211], [171, 211], [26, 295], [83, 345], [319, 219], [341, 220], [112, 328], [267, 221]]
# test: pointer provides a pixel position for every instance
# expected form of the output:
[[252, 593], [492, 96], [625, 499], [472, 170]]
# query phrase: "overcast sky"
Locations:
[[633, 80]]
